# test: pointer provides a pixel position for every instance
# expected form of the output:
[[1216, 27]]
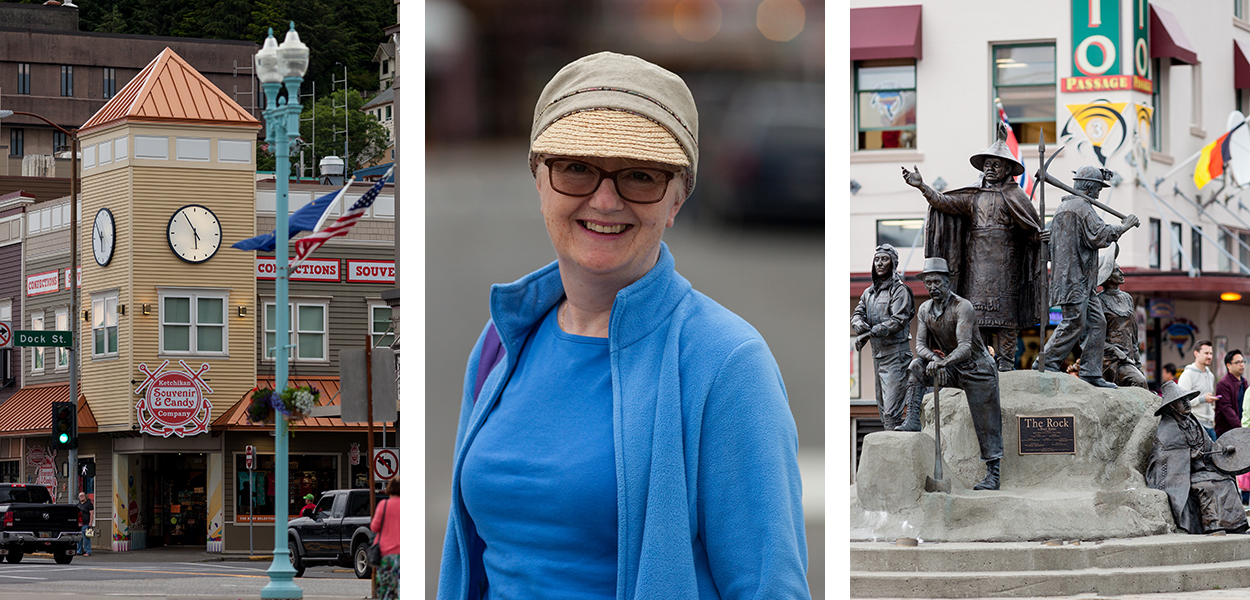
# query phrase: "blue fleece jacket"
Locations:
[[709, 503]]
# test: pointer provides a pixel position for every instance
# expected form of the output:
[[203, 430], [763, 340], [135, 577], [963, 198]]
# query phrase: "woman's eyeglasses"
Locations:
[[640, 185]]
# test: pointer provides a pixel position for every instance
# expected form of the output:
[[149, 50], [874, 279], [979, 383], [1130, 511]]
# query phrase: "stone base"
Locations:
[[1097, 493]]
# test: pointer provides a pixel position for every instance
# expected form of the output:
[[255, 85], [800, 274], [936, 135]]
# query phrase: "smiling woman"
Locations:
[[623, 436]]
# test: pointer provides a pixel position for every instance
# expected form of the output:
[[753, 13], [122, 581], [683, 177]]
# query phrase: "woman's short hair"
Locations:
[[392, 487]]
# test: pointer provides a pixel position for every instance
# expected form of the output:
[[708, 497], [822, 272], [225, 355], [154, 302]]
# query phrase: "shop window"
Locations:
[[885, 104], [900, 233], [1175, 244], [23, 78], [193, 322], [62, 324], [9, 471], [309, 339], [104, 324], [67, 80], [380, 326], [307, 474], [6, 310], [1156, 232], [36, 354], [1024, 82]]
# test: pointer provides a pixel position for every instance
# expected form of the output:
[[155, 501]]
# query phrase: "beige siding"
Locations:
[[142, 199]]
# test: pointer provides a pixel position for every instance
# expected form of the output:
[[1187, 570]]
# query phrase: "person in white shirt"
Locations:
[[1199, 376]]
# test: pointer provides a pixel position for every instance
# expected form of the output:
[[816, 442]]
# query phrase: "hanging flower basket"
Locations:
[[293, 402]]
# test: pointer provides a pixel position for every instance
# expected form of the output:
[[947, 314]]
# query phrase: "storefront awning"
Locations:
[[235, 417], [1167, 39], [29, 411], [885, 32], [1241, 67]]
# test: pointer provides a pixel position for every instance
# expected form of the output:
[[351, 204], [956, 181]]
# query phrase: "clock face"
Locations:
[[194, 233], [103, 236]]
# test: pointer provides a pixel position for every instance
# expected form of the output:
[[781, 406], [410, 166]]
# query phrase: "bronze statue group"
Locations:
[[985, 269]]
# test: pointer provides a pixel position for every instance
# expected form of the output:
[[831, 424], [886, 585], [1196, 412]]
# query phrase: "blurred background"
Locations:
[[751, 235]]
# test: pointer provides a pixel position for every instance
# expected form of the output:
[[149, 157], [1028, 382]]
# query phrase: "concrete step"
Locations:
[[1167, 563]]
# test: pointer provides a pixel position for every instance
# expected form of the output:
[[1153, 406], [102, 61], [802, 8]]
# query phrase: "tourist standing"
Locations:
[[1228, 393], [1198, 376]]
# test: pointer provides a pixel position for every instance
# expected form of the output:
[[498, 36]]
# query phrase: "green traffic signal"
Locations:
[[63, 438]]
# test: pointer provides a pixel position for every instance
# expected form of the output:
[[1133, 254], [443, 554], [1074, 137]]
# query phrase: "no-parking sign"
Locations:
[[385, 463], [6, 335]]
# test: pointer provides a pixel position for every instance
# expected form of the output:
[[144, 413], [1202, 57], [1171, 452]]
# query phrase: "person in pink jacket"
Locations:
[[386, 525]]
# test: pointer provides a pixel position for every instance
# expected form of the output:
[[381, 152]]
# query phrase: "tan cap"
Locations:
[[613, 105]]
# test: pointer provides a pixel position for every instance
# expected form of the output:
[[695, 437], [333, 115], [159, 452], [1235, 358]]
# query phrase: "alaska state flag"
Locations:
[[304, 219]]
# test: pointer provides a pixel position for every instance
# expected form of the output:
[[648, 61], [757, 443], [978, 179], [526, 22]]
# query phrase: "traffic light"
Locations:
[[63, 426]]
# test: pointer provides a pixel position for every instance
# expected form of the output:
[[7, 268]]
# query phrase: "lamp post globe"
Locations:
[[294, 54]]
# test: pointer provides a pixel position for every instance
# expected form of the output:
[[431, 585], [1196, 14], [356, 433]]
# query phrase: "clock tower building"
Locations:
[[168, 175]]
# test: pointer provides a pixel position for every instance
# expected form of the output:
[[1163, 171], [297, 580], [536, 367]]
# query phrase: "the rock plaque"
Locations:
[[1050, 434]]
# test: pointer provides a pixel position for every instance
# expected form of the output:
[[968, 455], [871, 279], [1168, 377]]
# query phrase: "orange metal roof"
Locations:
[[29, 411], [235, 418], [170, 90]]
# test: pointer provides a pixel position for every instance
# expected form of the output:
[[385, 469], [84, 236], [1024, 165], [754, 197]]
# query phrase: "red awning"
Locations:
[[1241, 67], [885, 32], [1167, 39]]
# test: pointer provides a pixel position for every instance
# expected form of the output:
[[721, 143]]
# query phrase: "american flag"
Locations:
[[1024, 180], [307, 245]]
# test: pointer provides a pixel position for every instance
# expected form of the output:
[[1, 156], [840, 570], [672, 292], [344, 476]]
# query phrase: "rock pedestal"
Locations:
[[1098, 492]]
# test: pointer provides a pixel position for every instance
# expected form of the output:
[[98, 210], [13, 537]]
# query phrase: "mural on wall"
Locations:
[[121, 527], [44, 461], [216, 503], [1182, 333], [1103, 126], [1143, 115]]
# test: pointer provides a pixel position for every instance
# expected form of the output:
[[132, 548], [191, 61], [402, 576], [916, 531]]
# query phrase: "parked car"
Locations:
[[31, 522], [336, 533]]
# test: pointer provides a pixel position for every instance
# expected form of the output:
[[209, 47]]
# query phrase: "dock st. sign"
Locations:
[[23, 337]]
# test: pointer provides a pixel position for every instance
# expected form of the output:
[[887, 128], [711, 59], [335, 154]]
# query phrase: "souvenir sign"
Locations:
[[174, 403]]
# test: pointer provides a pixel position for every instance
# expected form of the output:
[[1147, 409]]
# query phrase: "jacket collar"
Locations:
[[636, 312]]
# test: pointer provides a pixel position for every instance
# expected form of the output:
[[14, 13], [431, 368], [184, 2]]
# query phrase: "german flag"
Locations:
[[1213, 158]]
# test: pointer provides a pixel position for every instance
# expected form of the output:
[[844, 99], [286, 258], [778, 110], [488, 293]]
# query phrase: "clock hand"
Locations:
[[193, 231]]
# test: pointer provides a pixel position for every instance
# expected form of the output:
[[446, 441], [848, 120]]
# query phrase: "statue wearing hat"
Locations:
[[1183, 463], [1121, 359], [1076, 235], [883, 316], [989, 234], [950, 352]]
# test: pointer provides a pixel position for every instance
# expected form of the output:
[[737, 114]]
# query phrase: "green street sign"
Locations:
[[43, 338]]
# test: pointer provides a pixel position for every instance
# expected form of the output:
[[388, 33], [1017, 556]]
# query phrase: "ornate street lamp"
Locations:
[[276, 65]]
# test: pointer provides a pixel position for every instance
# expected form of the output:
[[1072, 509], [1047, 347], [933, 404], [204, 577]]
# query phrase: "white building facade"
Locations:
[[1132, 86]]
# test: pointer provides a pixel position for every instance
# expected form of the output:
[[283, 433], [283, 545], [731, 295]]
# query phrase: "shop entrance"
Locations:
[[175, 495]]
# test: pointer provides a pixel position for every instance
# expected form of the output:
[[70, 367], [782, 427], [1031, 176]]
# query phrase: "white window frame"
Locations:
[[104, 310], [37, 358], [195, 295], [294, 305], [62, 353], [374, 336], [6, 310]]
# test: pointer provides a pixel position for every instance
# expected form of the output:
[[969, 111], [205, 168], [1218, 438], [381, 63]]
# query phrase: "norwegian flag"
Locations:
[[307, 245], [1024, 180]]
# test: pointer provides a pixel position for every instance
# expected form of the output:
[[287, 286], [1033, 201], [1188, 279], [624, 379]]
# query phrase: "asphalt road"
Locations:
[[483, 226]]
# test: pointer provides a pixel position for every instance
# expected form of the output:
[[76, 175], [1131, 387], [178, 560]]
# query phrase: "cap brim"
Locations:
[[610, 134]]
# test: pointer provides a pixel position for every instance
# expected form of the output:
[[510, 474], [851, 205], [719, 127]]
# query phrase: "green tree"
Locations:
[[366, 137]]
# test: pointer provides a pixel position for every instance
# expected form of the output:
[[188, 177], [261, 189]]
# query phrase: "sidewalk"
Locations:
[[168, 554]]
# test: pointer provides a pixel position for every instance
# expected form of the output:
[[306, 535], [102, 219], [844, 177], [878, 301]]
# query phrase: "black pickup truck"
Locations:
[[336, 533], [31, 522]]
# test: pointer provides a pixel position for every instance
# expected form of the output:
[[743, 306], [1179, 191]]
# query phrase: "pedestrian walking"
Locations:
[[1199, 376], [1228, 393], [87, 509], [386, 525], [621, 435]]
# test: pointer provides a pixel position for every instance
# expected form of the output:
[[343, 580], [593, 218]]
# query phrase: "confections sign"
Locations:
[[174, 402], [43, 283], [312, 269]]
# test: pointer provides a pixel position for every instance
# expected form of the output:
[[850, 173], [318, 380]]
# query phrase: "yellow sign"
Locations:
[[1105, 84]]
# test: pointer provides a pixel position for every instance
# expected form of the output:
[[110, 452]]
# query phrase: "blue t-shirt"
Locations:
[[539, 480]]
